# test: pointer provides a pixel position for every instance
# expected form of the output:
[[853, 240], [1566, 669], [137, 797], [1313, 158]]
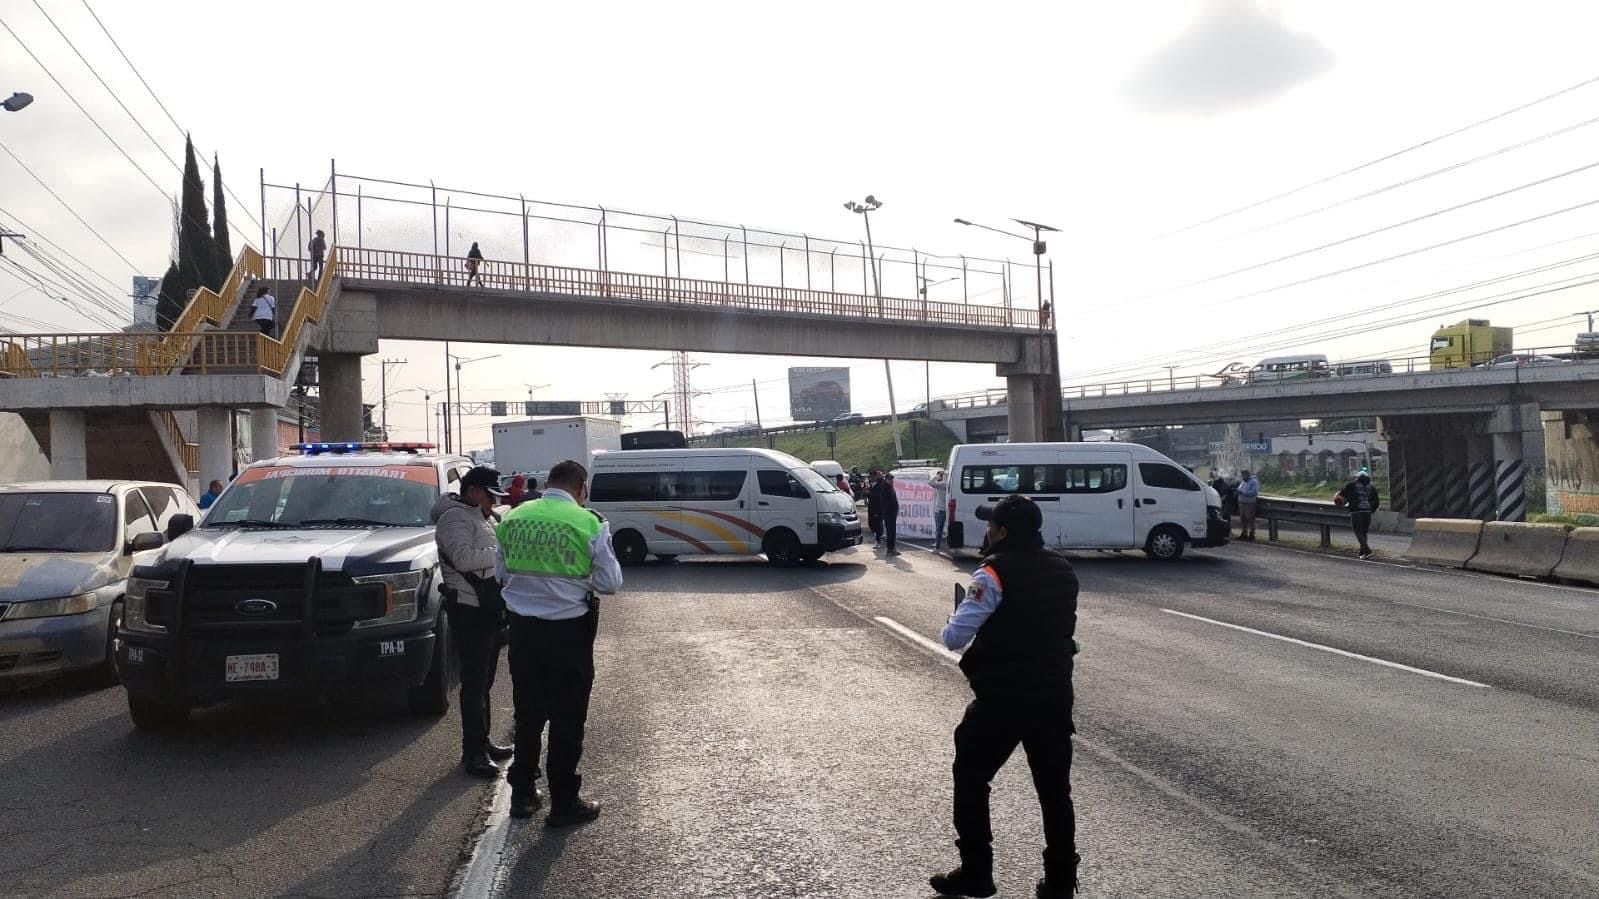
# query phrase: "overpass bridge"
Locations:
[[1456, 436]]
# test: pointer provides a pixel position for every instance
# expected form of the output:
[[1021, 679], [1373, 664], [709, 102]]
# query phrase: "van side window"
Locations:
[[665, 486], [1056, 478], [1159, 474], [706, 485], [780, 483]]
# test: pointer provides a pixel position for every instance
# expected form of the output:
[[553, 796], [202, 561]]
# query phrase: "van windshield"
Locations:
[[813, 481]]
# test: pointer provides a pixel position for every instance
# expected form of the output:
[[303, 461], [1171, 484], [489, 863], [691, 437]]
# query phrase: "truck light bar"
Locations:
[[316, 449]]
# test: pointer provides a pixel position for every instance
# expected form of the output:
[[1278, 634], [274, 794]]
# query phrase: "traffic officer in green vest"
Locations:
[[557, 557], [1018, 617]]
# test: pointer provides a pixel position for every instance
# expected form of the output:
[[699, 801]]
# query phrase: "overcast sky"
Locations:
[[1121, 123]]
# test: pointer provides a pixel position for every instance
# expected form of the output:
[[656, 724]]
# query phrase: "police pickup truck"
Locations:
[[314, 573]]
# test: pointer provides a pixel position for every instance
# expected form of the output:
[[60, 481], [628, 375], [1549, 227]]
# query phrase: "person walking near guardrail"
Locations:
[[1362, 498], [474, 259], [1248, 492], [318, 248]]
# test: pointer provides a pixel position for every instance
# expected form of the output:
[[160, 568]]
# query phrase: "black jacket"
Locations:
[[1361, 497], [1026, 644], [882, 500]]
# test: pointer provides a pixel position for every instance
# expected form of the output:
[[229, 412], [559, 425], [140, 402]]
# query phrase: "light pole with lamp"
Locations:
[[17, 102], [530, 389], [1050, 426], [460, 396], [927, 367], [865, 208], [427, 409]]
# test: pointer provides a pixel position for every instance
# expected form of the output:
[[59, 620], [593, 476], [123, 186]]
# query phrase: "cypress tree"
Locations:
[[170, 304], [197, 254], [219, 222]]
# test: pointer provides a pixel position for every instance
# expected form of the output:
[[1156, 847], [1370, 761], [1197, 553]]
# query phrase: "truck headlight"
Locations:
[[133, 604], [52, 608], [401, 594]]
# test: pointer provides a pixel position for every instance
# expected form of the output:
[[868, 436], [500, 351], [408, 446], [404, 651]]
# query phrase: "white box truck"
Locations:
[[533, 446]]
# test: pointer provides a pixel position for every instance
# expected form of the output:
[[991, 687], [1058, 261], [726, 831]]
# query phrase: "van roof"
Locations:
[[1098, 446], [623, 457]]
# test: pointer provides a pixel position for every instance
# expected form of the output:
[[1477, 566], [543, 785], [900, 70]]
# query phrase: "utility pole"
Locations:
[[383, 388], [865, 209], [682, 389], [755, 392]]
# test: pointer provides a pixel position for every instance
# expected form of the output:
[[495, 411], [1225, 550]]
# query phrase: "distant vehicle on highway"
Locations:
[[66, 549], [1289, 368], [1093, 496], [637, 440], [1468, 343], [848, 418], [1515, 360], [1365, 368]]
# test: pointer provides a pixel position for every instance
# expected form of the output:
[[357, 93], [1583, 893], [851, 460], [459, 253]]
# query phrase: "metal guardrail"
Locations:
[[425, 269], [1321, 513], [722, 438]]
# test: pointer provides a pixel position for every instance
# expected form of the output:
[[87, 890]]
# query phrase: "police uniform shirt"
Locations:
[[554, 597]]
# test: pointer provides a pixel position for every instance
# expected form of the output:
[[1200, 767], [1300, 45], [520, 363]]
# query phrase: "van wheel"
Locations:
[[782, 548], [431, 698], [812, 553], [148, 714], [666, 558], [629, 547], [1165, 543]]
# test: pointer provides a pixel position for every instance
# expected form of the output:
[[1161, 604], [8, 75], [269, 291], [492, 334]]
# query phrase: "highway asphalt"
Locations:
[[1253, 721]]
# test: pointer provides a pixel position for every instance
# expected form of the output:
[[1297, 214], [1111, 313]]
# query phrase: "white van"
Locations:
[[827, 468], [1093, 495], [714, 501]]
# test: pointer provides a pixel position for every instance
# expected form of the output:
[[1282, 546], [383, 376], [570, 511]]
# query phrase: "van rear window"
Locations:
[[1041, 479], [666, 486]]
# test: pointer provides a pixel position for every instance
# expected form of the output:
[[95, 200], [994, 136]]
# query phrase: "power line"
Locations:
[[68, 207], [37, 236], [1381, 159]]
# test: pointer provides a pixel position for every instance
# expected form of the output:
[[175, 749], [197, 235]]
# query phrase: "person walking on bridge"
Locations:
[[318, 248], [1248, 492], [1362, 498], [474, 259]]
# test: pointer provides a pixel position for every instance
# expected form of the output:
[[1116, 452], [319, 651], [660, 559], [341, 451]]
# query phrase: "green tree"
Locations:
[[219, 222], [197, 254], [170, 304]]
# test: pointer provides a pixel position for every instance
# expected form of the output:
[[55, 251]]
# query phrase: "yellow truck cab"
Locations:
[[1467, 343]]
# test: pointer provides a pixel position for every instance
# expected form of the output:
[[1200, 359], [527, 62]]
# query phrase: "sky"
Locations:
[[1148, 133]]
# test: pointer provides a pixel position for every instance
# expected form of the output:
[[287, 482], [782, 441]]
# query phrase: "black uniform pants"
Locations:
[[890, 529], [1041, 721], [476, 636], [552, 672], [1361, 522]]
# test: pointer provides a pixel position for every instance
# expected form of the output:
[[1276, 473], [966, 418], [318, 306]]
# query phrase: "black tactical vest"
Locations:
[[1027, 642]]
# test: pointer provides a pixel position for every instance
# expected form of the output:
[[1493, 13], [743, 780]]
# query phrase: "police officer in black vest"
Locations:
[[1019, 616]]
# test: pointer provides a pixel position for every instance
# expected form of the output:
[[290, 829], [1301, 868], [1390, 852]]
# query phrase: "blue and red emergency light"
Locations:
[[316, 449]]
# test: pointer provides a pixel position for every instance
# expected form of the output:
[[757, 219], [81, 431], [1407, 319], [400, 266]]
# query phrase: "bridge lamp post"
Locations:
[[17, 101], [460, 397], [865, 208], [927, 366]]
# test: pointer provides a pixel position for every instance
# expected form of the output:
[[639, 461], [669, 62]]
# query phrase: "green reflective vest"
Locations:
[[548, 536]]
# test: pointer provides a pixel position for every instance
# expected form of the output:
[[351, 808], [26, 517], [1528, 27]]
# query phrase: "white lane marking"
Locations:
[[1539, 627], [482, 875], [1335, 651], [934, 647]]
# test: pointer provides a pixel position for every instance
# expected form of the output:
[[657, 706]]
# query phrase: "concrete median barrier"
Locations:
[[1580, 561], [1515, 547], [1444, 541]]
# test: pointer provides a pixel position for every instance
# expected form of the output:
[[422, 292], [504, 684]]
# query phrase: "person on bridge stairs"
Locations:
[[1019, 617], [1248, 493], [264, 312], [474, 259], [556, 557], [1362, 498], [318, 248], [469, 555]]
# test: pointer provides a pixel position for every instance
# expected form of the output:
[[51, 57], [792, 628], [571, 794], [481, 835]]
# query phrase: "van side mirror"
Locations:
[[179, 525], [146, 541]]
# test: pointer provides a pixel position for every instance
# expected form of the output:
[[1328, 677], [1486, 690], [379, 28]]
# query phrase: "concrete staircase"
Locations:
[[239, 356], [123, 443]]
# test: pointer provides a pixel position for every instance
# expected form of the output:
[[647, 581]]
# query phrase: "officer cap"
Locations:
[[485, 477], [1016, 514]]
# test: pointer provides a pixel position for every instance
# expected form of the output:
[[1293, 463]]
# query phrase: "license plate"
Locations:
[[252, 667]]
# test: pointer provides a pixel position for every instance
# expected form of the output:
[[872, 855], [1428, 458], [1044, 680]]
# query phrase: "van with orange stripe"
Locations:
[[675, 502]]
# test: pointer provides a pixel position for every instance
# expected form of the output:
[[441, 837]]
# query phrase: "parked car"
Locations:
[[66, 550]]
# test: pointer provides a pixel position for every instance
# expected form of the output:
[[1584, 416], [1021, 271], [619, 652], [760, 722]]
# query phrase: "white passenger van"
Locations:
[[1093, 495], [714, 501], [1290, 368]]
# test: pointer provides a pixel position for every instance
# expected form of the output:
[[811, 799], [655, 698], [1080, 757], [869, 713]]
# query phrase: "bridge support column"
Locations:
[[69, 446], [1021, 408], [340, 377], [216, 444], [263, 434], [1480, 477], [1510, 476]]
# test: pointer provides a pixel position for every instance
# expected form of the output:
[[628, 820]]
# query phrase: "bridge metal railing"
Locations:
[[426, 269]]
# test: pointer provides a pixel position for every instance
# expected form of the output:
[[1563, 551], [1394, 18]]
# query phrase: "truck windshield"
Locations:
[[58, 522], [294, 496]]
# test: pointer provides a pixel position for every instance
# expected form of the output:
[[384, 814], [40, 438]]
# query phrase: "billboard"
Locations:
[[817, 394]]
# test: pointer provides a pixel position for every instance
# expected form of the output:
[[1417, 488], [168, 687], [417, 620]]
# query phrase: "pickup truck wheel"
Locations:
[[1165, 543], [629, 547], [782, 547], [431, 698], [149, 714], [106, 674]]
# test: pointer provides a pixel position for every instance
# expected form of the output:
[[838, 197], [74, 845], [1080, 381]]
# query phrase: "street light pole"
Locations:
[[17, 102], [460, 397], [865, 209]]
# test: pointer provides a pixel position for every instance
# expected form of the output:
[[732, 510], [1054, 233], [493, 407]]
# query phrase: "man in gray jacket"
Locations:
[[464, 531]]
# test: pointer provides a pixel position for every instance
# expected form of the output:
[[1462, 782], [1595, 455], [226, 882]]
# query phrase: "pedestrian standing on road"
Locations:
[[1018, 617], [265, 312], [318, 248], [474, 259], [940, 485], [1362, 498], [842, 484], [557, 556], [874, 507], [212, 491], [1248, 492], [518, 490], [887, 511], [469, 561]]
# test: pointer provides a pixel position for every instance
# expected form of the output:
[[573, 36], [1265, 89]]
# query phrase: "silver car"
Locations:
[[66, 548]]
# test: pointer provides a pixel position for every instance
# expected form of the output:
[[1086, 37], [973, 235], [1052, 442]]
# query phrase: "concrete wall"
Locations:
[[1571, 447], [20, 456]]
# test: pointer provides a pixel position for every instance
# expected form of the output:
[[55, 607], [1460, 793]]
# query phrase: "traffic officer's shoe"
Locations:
[[501, 753], [480, 765], [576, 812], [525, 802], [961, 883], [1056, 889]]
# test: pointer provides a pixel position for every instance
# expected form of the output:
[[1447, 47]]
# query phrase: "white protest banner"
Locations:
[[915, 502]]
